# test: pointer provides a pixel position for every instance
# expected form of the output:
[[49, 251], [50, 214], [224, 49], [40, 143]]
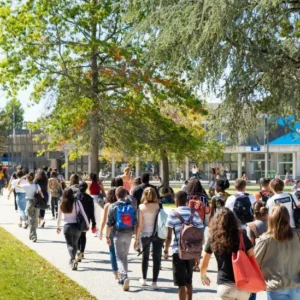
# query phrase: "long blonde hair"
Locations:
[[127, 170], [149, 196], [279, 224]]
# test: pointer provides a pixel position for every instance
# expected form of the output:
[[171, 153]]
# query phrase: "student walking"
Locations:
[[95, 188], [110, 199], [277, 187], [20, 197], [56, 191], [32, 212], [42, 180], [88, 205], [277, 253], [70, 208], [241, 203], [224, 239], [219, 199], [182, 269], [120, 223], [147, 213], [127, 179], [13, 177]]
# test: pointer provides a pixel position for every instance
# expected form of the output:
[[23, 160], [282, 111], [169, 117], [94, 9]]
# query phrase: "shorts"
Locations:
[[182, 270]]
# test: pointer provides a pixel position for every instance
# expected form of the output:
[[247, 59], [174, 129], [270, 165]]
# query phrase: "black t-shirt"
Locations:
[[224, 261], [138, 192]]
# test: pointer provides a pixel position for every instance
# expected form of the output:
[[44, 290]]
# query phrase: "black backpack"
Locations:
[[242, 208]]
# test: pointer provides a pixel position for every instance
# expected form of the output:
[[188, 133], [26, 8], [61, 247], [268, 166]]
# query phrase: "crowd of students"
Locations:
[[266, 222]]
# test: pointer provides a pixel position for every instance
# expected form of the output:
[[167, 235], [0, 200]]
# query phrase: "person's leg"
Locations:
[[189, 291], [15, 200], [97, 213], [75, 237], [182, 293], [53, 206], [56, 207], [83, 242], [68, 233], [113, 259], [146, 253], [22, 206], [229, 291], [31, 212], [157, 253]]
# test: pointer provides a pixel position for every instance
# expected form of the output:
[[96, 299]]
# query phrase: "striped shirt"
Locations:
[[174, 223]]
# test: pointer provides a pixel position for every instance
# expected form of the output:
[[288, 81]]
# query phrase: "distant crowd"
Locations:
[[258, 230]]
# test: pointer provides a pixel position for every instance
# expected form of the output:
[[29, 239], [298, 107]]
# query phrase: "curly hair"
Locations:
[[224, 232], [194, 187]]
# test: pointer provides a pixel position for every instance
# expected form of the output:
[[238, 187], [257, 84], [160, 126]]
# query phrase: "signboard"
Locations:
[[252, 149]]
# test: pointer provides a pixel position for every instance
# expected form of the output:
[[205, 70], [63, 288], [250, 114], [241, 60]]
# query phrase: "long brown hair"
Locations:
[[74, 179], [67, 201], [279, 224], [224, 232]]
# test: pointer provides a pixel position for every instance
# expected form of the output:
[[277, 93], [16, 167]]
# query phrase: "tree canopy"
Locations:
[[245, 53]]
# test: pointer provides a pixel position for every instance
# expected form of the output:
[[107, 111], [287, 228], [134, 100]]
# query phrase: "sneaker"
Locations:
[[79, 257], [75, 265], [43, 224], [126, 284], [121, 281], [154, 286], [25, 225], [143, 282], [34, 240]]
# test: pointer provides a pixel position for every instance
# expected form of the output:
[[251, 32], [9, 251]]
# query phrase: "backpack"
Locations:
[[161, 227], [190, 238], [242, 208], [125, 217], [200, 206], [264, 196]]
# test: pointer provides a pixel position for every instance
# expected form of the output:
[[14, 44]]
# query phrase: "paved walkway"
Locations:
[[94, 273]]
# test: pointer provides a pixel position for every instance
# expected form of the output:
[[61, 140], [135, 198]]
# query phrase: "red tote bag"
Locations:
[[247, 273]]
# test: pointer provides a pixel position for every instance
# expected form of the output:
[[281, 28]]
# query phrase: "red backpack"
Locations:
[[197, 204]]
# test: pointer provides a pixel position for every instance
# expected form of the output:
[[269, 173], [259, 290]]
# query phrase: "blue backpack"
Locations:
[[125, 217]]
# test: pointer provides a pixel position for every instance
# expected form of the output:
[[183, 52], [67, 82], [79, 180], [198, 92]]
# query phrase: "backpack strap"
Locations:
[[253, 228], [294, 206], [179, 216]]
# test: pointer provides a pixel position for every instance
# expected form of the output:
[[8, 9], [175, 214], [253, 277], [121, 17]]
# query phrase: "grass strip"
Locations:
[[26, 275]]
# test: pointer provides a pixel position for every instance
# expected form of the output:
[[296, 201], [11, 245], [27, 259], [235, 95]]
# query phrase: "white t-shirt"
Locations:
[[284, 199], [194, 171], [30, 189], [231, 200], [14, 184]]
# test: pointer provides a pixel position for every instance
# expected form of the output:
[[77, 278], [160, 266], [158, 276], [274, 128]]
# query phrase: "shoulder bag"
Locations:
[[38, 201], [79, 218], [247, 273], [296, 213]]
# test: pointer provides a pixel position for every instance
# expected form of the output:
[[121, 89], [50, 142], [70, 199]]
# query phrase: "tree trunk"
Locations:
[[166, 171], [94, 115]]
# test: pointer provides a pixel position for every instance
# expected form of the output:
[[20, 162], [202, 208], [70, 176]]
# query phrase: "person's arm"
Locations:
[[203, 267], [83, 214], [110, 223], [168, 242], [92, 217], [140, 226], [59, 216], [250, 235], [260, 250], [40, 191], [104, 219]]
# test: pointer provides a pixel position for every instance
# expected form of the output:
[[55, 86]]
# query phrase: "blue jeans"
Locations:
[[113, 258], [286, 294], [253, 296], [21, 202]]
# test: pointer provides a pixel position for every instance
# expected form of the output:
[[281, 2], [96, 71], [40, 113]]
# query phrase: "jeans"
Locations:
[[286, 294], [72, 234], [33, 214], [15, 200], [54, 206], [157, 245], [122, 241], [229, 291], [82, 242], [21, 202], [113, 258], [253, 296]]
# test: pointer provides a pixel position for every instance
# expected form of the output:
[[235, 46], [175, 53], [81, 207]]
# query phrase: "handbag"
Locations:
[[296, 213], [247, 273], [80, 219], [38, 201]]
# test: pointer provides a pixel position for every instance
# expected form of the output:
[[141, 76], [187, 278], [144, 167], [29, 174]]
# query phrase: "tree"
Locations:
[[244, 52], [14, 114], [70, 48]]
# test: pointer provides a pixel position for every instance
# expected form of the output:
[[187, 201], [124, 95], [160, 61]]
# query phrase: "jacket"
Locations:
[[279, 261], [88, 205]]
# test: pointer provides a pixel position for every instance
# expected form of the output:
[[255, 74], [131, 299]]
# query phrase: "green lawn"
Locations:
[[26, 275]]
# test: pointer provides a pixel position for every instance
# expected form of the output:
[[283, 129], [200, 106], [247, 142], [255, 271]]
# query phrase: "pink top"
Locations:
[[127, 186]]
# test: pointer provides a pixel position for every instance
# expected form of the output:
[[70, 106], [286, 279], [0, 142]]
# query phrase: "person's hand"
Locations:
[[108, 241], [136, 244], [87, 228], [94, 229], [101, 236], [58, 230], [205, 280], [166, 254]]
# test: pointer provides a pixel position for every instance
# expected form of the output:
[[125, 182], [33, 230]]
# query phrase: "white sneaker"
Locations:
[[154, 286], [126, 285], [143, 282]]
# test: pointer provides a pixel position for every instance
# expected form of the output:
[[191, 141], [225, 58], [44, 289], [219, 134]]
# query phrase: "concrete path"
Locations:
[[94, 273]]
